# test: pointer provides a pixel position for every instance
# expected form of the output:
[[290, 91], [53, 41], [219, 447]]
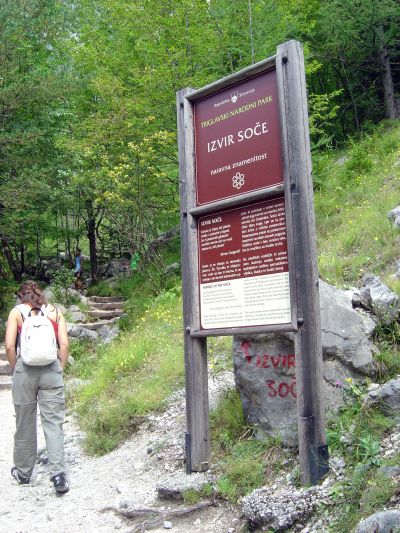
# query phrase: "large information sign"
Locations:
[[243, 266], [238, 140], [249, 261]]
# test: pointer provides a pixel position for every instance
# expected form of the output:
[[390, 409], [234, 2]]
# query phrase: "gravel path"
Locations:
[[127, 476]]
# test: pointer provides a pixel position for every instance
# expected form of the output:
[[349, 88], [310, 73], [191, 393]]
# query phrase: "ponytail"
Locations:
[[30, 293]]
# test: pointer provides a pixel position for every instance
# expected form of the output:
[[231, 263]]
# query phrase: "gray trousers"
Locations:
[[43, 384]]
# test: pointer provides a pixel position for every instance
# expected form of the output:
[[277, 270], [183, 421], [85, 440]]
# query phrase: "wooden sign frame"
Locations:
[[303, 273]]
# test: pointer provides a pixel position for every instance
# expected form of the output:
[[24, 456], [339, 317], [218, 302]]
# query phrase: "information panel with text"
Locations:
[[243, 266]]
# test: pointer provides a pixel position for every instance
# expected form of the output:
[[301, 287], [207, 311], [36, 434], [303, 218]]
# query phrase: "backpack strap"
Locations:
[[46, 309], [36, 309], [23, 311], [24, 314]]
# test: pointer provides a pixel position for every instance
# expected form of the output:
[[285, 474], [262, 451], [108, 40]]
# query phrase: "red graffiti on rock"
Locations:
[[276, 389]]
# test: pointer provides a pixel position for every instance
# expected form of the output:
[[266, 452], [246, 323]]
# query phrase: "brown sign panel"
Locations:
[[243, 266], [238, 139]]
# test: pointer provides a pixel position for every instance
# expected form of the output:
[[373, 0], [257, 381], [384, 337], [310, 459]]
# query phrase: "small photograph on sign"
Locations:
[[243, 266]]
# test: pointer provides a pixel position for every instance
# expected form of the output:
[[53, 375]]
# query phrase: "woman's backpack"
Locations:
[[37, 340]]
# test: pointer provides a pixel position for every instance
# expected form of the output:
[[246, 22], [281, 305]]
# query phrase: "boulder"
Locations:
[[175, 485], [172, 269], [77, 331], [389, 472], [48, 293], [264, 365], [108, 332], [77, 316], [280, 508], [394, 215], [77, 295], [48, 268], [383, 521], [385, 302], [116, 267], [386, 398], [61, 308]]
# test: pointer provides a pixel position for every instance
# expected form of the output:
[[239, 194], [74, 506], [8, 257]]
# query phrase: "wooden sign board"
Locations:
[[237, 139], [248, 235]]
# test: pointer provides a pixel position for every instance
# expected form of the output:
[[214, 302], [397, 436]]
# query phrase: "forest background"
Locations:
[[88, 152]]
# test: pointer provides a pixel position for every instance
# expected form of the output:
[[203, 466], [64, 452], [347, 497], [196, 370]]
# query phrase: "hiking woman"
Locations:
[[37, 382]]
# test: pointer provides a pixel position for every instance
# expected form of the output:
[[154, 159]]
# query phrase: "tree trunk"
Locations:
[[10, 259], [347, 84], [91, 227], [392, 111]]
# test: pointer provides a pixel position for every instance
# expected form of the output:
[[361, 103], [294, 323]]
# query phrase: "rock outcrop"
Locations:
[[264, 365]]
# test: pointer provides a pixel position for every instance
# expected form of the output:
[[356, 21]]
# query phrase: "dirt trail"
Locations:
[[129, 474]]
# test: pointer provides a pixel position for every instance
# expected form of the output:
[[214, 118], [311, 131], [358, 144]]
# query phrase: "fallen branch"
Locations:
[[157, 515]]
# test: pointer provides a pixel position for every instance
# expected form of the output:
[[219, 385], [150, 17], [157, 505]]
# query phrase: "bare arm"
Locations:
[[63, 340], [11, 337]]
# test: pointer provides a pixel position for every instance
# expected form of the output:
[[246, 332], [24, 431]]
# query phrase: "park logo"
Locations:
[[234, 97], [238, 180]]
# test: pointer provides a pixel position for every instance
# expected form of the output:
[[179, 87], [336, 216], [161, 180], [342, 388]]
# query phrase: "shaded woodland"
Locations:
[[88, 153]]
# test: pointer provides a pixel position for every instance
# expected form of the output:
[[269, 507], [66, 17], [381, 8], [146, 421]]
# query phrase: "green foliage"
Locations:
[[219, 351], [387, 337], [8, 291], [245, 462], [363, 427], [89, 118], [356, 434], [193, 496], [354, 194], [63, 280], [133, 375], [229, 419], [243, 470], [83, 352], [103, 288], [364, 493]]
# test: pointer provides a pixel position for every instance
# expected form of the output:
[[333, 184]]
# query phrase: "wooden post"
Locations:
[[197, 436], [299, 193]]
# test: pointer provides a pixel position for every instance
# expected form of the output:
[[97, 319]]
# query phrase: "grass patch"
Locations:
[[365, 492], [192, 496], [387, 338], [103, 288], [352, 199], [244, 462], [219, 351], [83, 352], [134, 375], [356, 434]]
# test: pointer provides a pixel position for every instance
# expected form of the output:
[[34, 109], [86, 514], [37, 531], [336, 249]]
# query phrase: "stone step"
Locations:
[[5, 369], [94, 326], [105, 314], [105, 299], [105, 305], [5, 382]]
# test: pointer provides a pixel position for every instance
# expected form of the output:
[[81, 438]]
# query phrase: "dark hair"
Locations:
[[29, 293], [78, 250]]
